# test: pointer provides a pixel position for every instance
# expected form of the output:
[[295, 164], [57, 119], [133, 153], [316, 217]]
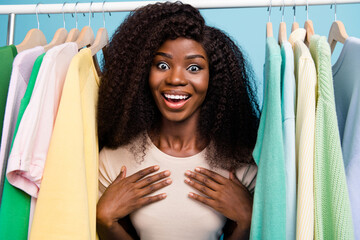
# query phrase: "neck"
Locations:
[[179, 139]]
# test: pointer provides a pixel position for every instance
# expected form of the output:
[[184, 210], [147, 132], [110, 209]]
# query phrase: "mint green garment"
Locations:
[[331, 199], [288, 104], [15, 206], [269, 206], [7, 55]]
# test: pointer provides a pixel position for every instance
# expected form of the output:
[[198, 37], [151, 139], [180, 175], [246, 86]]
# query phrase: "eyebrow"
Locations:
[[187, 57]]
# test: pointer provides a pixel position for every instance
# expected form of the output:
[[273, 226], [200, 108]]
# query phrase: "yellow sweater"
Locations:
[[66, 206]]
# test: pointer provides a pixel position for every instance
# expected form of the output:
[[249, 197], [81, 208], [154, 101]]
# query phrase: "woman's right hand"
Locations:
[[127, 194]]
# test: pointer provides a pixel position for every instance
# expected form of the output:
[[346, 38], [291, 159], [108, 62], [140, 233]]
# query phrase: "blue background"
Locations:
[[245, 25]]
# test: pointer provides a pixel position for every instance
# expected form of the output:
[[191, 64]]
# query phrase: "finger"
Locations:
[[234, 178], [147, 200], [201, 188], [142, 173], [215, 176], [121, 175], [204, 200], [203, 179], [154, 187], [151, 179]]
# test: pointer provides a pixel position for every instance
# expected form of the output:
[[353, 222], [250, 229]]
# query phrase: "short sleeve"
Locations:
[[247, 175], [104, 176]]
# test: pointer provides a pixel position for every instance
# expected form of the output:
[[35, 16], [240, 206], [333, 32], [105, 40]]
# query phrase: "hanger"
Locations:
[[102, 39], [308, 26], [295, 25], [59, 36], [34, 37], [269, 28], [86, 36], [74, 33], [282, 27], [337, 33]]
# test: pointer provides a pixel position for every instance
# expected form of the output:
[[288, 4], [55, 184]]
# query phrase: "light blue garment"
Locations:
[[288, 104], [346, 77], [269, 207]]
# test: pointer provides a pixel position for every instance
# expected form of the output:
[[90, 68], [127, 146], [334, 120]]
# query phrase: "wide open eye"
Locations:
[[162, 66], [194, 68]]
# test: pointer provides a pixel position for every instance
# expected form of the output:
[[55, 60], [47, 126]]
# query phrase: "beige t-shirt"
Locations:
[[177, 216]]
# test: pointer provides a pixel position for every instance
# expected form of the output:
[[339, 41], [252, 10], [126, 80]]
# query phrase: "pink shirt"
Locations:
[[28, 155], [20, 75]]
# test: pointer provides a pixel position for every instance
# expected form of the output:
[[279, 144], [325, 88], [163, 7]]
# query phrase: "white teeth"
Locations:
[[170, 96]]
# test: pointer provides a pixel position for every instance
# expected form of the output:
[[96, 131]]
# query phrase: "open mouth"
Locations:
[[175, 98], [175, 101]]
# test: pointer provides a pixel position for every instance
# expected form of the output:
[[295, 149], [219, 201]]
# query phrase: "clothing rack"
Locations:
[[97, 7]]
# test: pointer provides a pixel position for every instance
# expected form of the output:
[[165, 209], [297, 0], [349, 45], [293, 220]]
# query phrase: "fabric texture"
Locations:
[[15, 205], [156, 221], [346, 74], [269, 213], [332, 206], [27, 159], [21, 71], [288, 106], [305, 75], [7, 55], [66, 205]]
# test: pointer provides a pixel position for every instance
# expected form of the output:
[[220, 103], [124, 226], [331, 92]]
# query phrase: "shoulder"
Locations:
[[247, 173]]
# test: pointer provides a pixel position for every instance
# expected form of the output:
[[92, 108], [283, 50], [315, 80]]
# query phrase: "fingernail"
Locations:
[[187, 180], [122, 168], [156, 167], [197, 169], [163, 195], [188, 173], [167, 173], [191, 194], [168, 181]]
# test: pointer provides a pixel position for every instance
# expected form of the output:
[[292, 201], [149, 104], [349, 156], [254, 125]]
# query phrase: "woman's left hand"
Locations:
[[228, 196]]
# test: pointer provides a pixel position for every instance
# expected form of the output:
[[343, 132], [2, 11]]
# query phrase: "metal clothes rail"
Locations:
[[13, 10]]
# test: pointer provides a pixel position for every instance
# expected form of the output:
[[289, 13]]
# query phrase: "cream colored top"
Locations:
[[306, 82], [177, 216]]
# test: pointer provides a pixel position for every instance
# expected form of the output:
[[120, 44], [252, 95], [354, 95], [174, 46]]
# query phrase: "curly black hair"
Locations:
[[229, 115]]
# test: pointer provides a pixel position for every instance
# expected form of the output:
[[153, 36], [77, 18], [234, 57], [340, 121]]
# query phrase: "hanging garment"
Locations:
[[346, 74], [268, 218], [66, 205], [7, 55], [332, 206], [21, 71], [305, 75], [15, 205], [288, 101], [28, 155]]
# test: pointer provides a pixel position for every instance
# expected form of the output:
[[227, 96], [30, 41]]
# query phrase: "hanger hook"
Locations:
[[283, 10], [90, 13], [307, 10], [62, 9], [294, 8], [76, 20], [37, 15], [103, 13], [269, 9]]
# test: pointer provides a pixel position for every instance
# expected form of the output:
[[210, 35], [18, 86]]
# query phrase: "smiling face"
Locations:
[[179, 78]]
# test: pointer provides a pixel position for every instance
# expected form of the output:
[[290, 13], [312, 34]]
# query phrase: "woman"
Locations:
[[177, 120]]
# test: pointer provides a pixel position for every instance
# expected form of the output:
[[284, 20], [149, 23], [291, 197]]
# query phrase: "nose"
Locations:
[[177, 77]]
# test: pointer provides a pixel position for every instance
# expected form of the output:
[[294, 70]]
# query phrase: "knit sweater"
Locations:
[[331, 200]]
